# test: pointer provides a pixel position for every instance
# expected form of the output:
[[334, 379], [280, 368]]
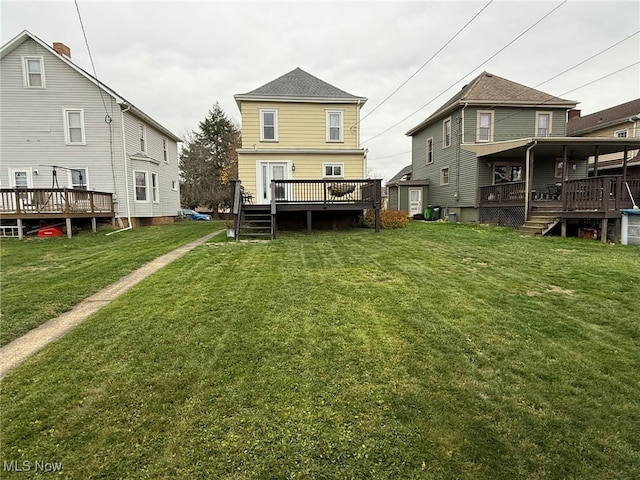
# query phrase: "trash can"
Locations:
[[432, 213]]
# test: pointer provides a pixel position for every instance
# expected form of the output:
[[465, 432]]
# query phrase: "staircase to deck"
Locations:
[[539, 224], [256, 221]]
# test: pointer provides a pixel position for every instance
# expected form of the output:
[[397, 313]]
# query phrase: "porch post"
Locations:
[[565, 177], [528, 172], [595, 161], [624, 166], [308, 222]]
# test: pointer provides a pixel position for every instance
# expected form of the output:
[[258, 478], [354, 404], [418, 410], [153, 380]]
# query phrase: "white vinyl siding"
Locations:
[[335, 125], [268, 125], [33, 72], [74, 127]]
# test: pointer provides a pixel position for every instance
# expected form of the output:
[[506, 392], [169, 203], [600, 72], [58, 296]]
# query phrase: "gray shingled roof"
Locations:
[[398, 176], [491, 90], [300, 84], [603, 118]]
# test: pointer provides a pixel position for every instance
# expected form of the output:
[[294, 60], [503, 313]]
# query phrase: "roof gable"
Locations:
[[604, 118], [490, 90], [299, 85]]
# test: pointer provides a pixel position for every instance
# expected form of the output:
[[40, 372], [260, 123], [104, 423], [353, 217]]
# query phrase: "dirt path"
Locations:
[[16, 352]]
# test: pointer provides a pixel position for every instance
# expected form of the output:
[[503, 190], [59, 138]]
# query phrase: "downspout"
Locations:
[[527, 185], [126, 173]]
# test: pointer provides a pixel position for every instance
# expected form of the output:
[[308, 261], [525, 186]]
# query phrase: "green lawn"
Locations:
[[440, 351], [40, 278]]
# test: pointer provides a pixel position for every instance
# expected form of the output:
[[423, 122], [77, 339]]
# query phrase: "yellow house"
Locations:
[[301, 149]]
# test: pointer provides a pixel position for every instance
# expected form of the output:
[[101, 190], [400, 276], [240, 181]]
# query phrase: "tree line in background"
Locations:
[[208, 161]]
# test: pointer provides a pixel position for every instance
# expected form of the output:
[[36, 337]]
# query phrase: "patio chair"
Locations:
[[247, 197], [340, 190]]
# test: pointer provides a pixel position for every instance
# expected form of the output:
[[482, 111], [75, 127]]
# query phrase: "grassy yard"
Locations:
[[440, 351], [42, 278]]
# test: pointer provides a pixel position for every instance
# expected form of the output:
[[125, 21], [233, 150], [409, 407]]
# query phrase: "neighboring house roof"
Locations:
[[20, 38], [404, 173], [488, 89], [298, 85], [604, 118], [616, 164]]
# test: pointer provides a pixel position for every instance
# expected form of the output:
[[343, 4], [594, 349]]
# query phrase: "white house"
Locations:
[[63, 129]]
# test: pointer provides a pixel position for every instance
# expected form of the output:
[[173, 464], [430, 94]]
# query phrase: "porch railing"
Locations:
[[503, 193], [328, 191], [34, 201]]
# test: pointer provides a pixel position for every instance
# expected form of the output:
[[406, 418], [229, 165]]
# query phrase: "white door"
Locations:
[[268, 171], [415, 201]]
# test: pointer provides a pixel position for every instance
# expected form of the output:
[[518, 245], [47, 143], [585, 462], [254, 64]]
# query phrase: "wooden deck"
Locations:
[[22, 204]]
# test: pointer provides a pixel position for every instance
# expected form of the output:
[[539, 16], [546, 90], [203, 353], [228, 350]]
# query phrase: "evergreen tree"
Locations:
[[208, 161]]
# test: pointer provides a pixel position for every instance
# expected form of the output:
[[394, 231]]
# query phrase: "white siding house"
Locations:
[[61, 128]]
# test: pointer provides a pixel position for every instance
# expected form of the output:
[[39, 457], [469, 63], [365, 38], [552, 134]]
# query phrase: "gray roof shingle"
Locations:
[[618, 114]]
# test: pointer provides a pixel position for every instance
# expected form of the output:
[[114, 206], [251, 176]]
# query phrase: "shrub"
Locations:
[[388, 219]]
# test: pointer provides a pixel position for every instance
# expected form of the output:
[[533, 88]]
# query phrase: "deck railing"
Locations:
[[41, 201], [328, 191], [503, 193]]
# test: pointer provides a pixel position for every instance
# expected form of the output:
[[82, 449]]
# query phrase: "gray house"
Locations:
[[74, 148], [498, 152]]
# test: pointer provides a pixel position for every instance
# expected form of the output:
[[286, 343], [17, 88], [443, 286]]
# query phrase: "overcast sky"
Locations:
[[174, 60]]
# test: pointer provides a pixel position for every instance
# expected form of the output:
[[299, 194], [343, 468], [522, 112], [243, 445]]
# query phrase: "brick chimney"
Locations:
[[574, 114], [62, 49]]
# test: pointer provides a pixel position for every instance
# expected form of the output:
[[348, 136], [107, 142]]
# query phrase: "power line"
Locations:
[[467, 74], [426, 63]]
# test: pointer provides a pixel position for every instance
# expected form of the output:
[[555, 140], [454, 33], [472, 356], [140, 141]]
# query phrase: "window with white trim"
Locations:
[[78, 178], [20, 178], [543, 124], [335, 125], [446, 133], [141, 186], [33, 72], [559, 169], [165, 151], [485, 127], [268, 125], [155, 193], [429, 150], [143, 137], [174, 185], [74, 127], [333, 170], [444, 176], [621, 133]]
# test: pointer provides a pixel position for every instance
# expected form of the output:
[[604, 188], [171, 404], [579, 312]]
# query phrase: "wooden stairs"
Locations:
[[538, 224], [256, 221]]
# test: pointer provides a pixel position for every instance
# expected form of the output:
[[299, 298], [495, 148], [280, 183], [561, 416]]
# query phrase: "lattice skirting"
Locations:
[[503, 216]]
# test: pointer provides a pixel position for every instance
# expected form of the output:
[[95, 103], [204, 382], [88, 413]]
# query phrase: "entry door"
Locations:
[[415, 201], [271, 171]]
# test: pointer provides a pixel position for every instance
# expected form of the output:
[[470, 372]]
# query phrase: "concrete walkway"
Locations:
[[20, 349]]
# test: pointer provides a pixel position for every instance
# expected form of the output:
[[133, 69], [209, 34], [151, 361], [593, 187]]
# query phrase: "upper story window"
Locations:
[[34, 72], [334, 125], [333, 170], [74, 127], [446, 133], [429, 150], [165, 151], [268, 125], [543, 124], [621, 133], [485, 127], [143, 137]]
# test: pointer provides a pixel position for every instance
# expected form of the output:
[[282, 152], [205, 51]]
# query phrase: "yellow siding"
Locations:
[[300, 125], [307, 166]]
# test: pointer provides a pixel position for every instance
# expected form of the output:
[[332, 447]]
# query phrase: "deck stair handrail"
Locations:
[[36, 201], [236, 192]]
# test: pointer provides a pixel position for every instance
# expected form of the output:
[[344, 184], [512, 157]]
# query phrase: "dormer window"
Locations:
[[268, 125], [33, 72]]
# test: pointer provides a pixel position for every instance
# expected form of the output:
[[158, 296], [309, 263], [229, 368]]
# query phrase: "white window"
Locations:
[[543, 124], [621, 133], [429, 150], [334, 126], [143, 137], [444, 176], [20, 178], [559, 169], [74, 127], [268, 125], [154, 188], [165, 152], [140, 182], [174, 185], [78, 178], [333, 170], [446, 133], [33, 72], [485, 127]]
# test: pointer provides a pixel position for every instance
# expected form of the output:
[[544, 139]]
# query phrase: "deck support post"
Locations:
[[94, 225], [69, 232], [377, 220], [616, 230], [563, 228], [308, 222], [20, 236], [604, 230]]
